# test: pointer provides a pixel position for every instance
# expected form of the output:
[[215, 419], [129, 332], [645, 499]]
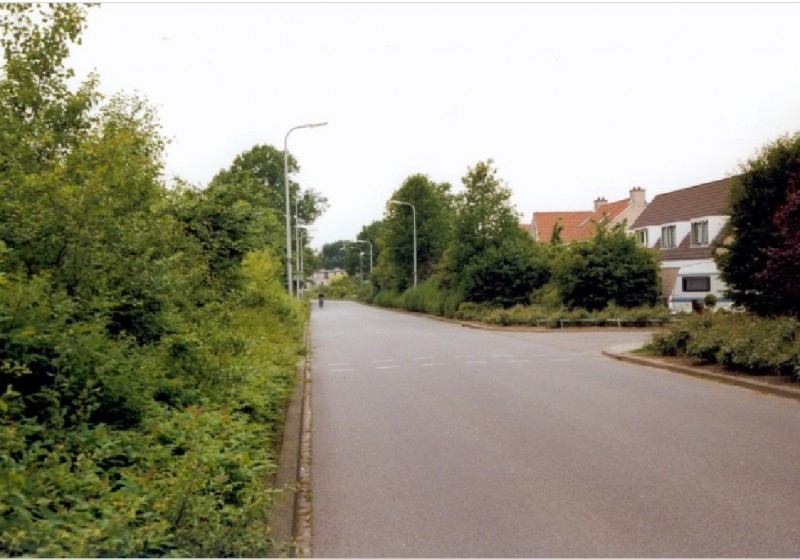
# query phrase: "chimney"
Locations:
[[638, 198], [599, 203]]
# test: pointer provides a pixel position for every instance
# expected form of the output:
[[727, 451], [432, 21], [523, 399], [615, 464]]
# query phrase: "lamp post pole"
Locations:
[[414, 213], [302, 281], [289, 280], [370, 256]]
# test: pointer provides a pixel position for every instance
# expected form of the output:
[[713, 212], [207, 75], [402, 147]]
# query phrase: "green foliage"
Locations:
[[506, 274], [259, 173], [484, 219], [333, 255], [610, 267], [147, 346], [539, 316], [739, 341], [760, 264], [428, 298], [345, 288], [394, 269]]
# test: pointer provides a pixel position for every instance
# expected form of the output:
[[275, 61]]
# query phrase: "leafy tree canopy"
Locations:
[[258, 173], [760, 263], [433, 205]]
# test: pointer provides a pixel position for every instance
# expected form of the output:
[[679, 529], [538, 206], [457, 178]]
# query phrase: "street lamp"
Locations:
[[302, 283], [414, 213], [288, 207], [370, 256]]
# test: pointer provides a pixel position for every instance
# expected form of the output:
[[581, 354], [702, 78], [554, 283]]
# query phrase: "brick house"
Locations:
[[580, 225]]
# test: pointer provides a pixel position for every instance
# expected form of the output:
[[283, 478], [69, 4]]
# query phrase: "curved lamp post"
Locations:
[[288, 210], [414, 213]]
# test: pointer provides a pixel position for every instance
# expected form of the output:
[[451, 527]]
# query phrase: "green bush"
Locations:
[[738, 341], [538, 315]]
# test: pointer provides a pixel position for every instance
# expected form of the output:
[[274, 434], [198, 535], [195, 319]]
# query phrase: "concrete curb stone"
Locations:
[[622, 353]]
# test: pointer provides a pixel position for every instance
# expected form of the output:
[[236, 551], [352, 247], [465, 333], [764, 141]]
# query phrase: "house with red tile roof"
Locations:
[[581, 225], [683, 226]]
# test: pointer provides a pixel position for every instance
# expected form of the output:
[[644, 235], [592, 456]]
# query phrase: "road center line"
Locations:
[[384, 367]]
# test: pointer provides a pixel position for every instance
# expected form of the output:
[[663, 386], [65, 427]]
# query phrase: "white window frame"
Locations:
[[700, 233], [669, 235], [641, 237]]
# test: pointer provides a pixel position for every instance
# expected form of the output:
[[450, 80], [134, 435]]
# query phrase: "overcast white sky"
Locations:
[[572, 101]]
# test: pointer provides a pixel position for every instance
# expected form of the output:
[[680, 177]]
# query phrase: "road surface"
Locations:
[[431, 439]]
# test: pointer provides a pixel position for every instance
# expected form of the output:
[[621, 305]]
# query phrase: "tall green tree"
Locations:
[[260, 169], [433, 206], [490, 258], [759, 263], [42, 121], [333, 255], [243, 207]]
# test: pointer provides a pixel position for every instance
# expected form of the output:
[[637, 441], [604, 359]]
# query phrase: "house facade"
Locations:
[[683, 227], [324, 277], [580, 225]]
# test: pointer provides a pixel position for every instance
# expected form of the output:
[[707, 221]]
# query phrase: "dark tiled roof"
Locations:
[[706, 199]]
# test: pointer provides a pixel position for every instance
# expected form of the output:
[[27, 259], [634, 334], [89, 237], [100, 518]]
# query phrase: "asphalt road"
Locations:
[[431, 439]]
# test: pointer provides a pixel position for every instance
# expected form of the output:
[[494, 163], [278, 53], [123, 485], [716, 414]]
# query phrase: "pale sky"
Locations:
[[572, 101]]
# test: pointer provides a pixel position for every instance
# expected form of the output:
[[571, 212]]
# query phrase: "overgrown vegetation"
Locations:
[[147, 345], [739, 341]]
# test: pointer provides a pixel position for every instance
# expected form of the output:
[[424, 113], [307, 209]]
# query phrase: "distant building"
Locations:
[[324, 277], [580, 225]]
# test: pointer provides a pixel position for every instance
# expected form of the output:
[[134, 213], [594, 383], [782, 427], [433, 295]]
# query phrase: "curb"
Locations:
[[302, 513], [289, 524], [698, 372]]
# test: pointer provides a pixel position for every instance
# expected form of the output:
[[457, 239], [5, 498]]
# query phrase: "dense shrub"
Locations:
[[537, 315], [144, 450], [146, 349], [736, 340], [608, 268]]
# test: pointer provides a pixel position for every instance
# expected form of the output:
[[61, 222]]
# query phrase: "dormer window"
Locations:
[[641, 237], [668, 237], [700, 233]]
